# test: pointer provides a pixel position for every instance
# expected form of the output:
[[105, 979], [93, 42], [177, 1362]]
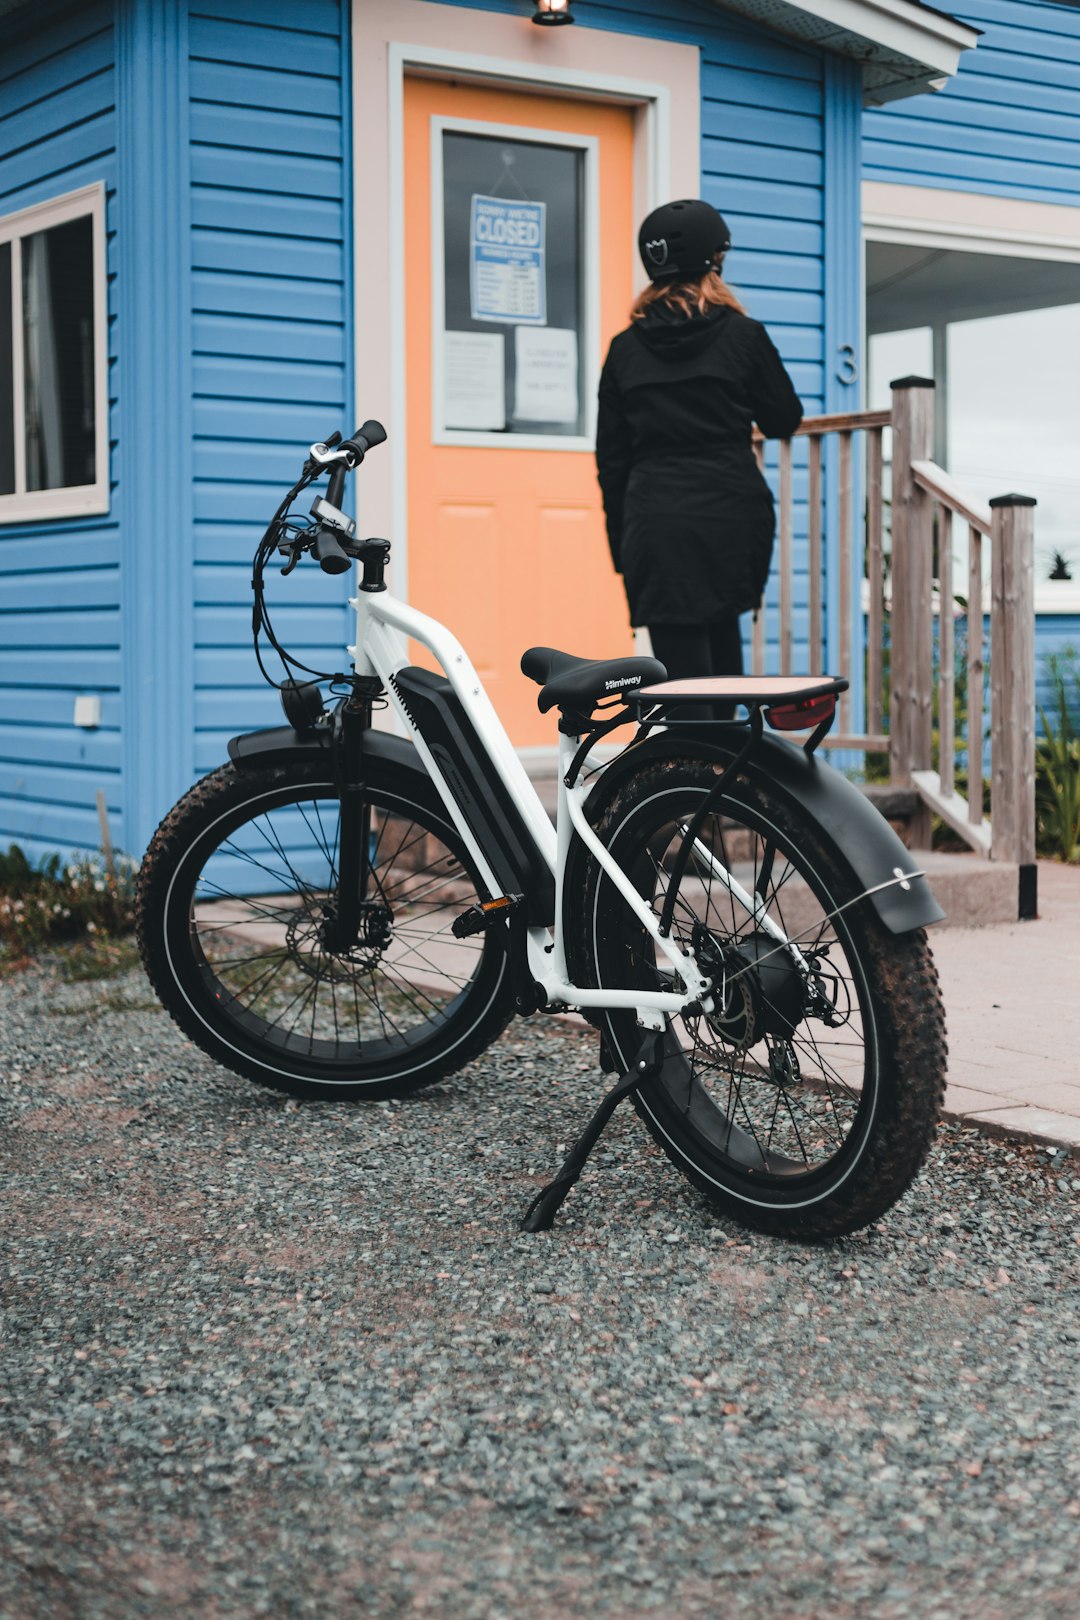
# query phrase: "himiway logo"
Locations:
[[624, 680]]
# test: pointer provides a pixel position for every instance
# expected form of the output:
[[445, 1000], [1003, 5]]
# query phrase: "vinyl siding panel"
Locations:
[[60, 616], [1008, 124], [271, 329]]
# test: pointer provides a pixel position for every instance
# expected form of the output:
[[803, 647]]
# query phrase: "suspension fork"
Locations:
[[341, 926]]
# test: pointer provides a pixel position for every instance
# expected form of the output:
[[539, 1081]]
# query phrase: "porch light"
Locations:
[[552, 13]]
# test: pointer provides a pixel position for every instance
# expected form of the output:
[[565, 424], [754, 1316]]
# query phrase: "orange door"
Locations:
[[510, 201]]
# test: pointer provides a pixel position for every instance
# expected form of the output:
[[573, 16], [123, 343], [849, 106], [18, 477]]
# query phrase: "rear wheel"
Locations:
[[233, 896], [805, 1101]]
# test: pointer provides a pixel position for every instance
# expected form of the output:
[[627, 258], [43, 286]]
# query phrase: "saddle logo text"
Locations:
[[624, 680]]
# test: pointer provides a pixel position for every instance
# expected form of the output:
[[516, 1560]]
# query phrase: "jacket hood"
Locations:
[[671, 335]]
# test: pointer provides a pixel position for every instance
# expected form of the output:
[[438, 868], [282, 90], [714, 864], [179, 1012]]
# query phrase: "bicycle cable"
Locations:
[[275, 539]]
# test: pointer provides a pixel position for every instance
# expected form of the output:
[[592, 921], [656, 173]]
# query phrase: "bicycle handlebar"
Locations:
[[328, 552], [340, 457]]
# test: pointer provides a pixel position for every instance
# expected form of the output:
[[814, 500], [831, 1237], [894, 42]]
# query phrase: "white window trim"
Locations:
[[590, 314], [969, 222], [80, 500]]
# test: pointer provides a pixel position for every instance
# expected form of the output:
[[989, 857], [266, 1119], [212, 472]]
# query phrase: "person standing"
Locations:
[[690, 518]]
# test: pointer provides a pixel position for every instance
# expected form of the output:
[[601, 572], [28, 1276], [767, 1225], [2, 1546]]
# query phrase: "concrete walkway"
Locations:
[[1012, 1009]]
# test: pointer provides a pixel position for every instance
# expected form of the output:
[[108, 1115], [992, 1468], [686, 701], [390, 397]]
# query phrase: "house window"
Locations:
[[54, 443]]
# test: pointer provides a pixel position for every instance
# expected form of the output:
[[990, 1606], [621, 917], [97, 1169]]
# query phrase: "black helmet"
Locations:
[[682, 239]]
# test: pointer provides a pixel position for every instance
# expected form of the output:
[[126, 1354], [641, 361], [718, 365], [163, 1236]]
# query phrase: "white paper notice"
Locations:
[[474, 391], [546, 386]]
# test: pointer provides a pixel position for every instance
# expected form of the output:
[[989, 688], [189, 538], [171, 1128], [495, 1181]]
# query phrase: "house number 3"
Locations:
[[848, 369]]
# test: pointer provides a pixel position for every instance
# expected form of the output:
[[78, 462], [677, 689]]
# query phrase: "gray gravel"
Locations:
[[262, 1359]]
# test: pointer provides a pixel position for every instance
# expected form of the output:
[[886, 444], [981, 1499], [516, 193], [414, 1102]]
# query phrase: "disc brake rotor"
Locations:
[[305, 944]]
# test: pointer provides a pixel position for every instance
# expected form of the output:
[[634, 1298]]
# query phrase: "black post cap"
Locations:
[[913, 382], [1013, 500]]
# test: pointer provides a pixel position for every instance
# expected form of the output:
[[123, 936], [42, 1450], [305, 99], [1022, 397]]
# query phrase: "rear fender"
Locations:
[[846, 817]]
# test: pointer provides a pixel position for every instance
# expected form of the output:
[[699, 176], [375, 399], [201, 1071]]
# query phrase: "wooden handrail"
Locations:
[[838, 422], [929, 476]]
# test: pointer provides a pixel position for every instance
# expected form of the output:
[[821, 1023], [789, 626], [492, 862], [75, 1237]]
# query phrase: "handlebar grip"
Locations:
[[371, 434], [364, 438], [328, 552]]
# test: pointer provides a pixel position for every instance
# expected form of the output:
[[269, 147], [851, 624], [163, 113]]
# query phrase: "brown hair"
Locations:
[[699, 293]]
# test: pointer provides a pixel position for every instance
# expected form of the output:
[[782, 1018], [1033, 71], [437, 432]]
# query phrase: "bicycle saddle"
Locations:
[[567, 682]]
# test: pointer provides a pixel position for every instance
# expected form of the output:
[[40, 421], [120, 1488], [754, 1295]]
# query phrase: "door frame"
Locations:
[[657, 83]]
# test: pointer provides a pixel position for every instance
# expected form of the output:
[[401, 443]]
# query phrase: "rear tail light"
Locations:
[[801, 716]]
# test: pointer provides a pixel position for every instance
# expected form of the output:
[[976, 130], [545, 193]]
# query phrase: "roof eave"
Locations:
[[905, 48]]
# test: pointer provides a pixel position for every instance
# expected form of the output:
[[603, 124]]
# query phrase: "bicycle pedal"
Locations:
[[478, 919]]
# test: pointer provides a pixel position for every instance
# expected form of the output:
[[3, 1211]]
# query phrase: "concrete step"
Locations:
[[971, 891]]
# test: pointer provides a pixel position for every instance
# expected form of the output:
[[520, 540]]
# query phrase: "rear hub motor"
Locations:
[[757, 988]]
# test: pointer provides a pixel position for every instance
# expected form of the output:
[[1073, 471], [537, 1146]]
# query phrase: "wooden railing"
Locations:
[[851, 475], [900, 601]]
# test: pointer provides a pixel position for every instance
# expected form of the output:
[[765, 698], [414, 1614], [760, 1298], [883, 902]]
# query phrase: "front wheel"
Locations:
[[234, 897], [805, 1101]]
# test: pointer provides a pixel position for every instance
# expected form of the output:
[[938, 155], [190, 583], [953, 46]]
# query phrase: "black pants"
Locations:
[[686, 650], [698, 649]]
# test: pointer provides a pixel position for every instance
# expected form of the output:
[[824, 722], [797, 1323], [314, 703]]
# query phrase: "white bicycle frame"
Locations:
[[383, 623]]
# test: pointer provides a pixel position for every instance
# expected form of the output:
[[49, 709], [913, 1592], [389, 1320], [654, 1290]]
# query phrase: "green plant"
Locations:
[[1057, 762], [88, 899]]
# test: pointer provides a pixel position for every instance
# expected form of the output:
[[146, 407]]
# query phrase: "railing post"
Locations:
[[912, 641], [1012, 691]]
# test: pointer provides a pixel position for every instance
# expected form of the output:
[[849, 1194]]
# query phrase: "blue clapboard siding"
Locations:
[[1007, 124], [271, 328], [1057, 633], [60, 631]]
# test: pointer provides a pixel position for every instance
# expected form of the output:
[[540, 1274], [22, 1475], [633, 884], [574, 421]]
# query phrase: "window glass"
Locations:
[[896, 354], [7, 379], [58, 327], [513, 336]]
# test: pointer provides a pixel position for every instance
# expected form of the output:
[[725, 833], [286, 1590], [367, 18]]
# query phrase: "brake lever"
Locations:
[[321, 455], [295, 549]]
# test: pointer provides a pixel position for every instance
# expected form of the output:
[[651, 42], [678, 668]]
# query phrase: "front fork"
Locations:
[[341, 924]]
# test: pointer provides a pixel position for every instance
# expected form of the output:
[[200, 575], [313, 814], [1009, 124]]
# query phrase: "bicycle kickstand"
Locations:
[[540, 1215]]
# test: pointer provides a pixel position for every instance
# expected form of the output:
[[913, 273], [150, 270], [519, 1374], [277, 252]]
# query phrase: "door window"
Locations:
[[512, 354]]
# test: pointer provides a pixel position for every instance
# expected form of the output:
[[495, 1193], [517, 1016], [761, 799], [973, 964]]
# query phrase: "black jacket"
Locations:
[[689, 516]]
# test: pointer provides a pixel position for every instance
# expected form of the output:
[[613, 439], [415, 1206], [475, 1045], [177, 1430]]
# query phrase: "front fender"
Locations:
[[280, 745], [867, 842]]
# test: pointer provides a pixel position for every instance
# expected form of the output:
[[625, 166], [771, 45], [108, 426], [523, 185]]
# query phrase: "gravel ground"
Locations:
[[262, 1359]]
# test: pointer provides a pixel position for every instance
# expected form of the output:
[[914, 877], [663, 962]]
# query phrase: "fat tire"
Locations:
[[904, 1000], [484, 1011]]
